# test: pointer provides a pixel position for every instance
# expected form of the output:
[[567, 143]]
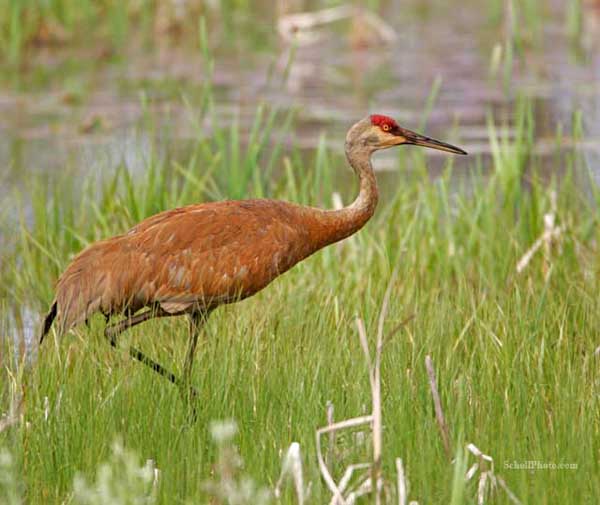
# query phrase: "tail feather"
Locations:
[[48, 321]]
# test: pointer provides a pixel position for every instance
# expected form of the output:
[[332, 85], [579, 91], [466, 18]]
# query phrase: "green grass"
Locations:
[[514, 353]]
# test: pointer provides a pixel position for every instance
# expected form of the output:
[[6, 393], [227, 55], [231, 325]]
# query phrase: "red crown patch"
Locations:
[[379, 120]]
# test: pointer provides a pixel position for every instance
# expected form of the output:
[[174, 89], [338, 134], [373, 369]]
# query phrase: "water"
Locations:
[[73, 111]]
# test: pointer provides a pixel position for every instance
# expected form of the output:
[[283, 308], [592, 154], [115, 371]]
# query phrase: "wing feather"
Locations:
[[201, 254]]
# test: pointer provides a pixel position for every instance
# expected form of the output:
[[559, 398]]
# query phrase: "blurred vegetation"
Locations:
[[28, 25]]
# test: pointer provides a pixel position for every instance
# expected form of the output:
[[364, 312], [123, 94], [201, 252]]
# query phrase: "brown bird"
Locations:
[[192, 259]]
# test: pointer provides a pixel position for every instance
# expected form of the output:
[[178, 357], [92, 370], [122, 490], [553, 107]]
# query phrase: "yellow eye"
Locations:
[[386, 127]]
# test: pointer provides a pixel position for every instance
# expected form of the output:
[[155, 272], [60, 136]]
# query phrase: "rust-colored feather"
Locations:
[[200, 255]]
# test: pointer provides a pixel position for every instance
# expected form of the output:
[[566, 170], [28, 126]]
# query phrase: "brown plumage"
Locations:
[[192, 259], [206, 254]]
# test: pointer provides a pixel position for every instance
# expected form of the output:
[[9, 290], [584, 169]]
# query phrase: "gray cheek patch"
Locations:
[[371, 139]]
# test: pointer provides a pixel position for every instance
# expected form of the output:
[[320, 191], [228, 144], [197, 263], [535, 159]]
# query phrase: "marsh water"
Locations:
[[80, 109], [447, 70]]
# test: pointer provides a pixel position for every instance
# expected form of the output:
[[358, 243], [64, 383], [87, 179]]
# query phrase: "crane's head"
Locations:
[[380, 132]]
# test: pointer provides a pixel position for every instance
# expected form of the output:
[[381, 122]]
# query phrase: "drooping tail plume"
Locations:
[[49, 319]]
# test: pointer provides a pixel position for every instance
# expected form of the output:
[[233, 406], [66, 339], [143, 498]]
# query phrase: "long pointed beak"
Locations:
[[421, 140]]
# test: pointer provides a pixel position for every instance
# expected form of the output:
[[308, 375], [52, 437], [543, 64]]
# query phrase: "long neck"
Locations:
[[339, 224]]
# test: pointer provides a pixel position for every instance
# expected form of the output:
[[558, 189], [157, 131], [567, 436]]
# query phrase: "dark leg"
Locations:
[[189, 394], [197, 319], [112, 331]]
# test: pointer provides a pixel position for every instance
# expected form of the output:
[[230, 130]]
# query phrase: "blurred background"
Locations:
[[113, 110], [85, 85]]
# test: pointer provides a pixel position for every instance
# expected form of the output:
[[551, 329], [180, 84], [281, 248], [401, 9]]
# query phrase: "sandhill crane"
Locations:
[[190, 260]]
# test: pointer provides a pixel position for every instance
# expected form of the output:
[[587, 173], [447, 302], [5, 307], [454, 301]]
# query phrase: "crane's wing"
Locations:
[[218, 253], [205, 254]]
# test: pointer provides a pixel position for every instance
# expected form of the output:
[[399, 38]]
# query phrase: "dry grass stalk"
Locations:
[[300, 27], [336, 200], [481, 488], [374, 419], [345, 480], [292, 467], [488, 480], [46, 408], [401, 482], [551, 233], [151, 464], [547, 240], [16, 404], [330, 420], [439, 413], [509, 493], [375, 373], [363, 489], [338, 498]]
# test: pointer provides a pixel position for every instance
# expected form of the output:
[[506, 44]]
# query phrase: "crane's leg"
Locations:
[[112, 331], [188, 393]]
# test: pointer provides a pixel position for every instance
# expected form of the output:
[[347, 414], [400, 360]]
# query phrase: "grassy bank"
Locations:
[[514, 352]]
